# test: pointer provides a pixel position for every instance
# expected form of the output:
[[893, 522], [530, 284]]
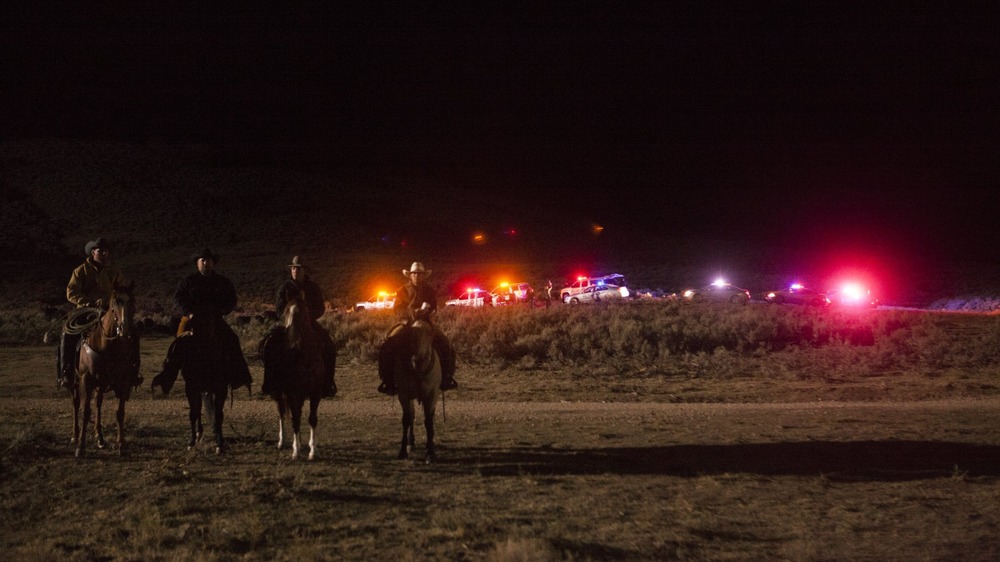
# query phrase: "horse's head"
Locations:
[[421, 335], [298, 327], [121, 311]]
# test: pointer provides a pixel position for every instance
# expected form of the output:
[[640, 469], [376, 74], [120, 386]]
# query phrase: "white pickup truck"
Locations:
[[582, 283], [381, 301]]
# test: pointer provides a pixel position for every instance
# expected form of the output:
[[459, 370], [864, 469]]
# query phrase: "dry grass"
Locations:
[[534, 465]]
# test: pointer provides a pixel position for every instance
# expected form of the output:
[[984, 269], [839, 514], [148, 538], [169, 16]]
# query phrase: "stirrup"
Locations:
[[384, 388]]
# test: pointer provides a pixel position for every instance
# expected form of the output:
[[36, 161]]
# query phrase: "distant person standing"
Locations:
[[548, 293], [89, 286], [529, 297], [298, 285], [206, 296]]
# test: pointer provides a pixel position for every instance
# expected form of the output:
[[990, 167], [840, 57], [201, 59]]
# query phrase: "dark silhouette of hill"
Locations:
[[358, 223]]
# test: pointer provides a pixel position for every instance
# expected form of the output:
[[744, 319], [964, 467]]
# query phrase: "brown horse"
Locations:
[[418, 379], [294, 371], [109, 359]]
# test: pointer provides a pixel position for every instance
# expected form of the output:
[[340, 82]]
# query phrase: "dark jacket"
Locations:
[[304, 289], [410, 297], [211, 295]]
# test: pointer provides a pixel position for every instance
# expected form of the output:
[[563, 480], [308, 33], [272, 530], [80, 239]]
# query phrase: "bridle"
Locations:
[[119, 325]]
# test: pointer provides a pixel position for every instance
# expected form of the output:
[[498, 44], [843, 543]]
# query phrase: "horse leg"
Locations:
[[194, 416], [76, 415], [120, 421], [86, 393], [295, 405], [429, 428], [98, 424], [313, 420], [219, 399], [280, 402], [407, 442]]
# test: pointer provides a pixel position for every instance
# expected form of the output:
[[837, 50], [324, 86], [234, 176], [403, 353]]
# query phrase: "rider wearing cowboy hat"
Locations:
[[410, 299], [90, 285], [208, 296], [299, 285]]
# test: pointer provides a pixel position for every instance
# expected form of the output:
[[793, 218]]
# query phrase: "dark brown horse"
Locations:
[[205, 366], [418, 380], [295, 371], [109, 359]]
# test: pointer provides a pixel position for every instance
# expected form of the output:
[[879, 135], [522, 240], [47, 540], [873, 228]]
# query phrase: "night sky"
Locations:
[[830, 128]]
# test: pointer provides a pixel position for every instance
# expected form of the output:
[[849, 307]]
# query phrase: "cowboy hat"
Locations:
[[417, 267], [297, 262], [95, 244], [205, 254]]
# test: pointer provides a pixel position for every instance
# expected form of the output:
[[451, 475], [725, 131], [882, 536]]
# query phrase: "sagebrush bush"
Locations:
[[665, 337]]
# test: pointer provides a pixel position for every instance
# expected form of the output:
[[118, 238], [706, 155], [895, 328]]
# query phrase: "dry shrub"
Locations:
[[522, 550]]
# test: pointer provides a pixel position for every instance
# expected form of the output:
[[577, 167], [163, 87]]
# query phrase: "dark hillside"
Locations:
[[356, 226]]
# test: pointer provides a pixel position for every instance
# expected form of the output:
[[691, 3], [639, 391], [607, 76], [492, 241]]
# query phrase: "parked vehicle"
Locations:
[[719, 291], [510, 293], [582, 283], [853, 295], [797, 294], [599, 293], [472, 297], [381, 301]]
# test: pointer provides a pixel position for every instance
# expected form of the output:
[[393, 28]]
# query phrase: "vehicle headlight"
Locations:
[[688, 293]]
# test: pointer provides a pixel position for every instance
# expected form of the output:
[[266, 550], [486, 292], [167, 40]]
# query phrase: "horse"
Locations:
[[201, 357], [109, 359], [417, 372], [295, 370]]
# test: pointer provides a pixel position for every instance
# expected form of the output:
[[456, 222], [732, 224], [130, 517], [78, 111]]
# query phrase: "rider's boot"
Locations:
[[166, 378], [448, 382], [387, 387], [67, 376], [385, 364], [67, 357], [447, 355]]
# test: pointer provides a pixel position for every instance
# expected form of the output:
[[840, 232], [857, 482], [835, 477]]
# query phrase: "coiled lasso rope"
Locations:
[[75, 322]]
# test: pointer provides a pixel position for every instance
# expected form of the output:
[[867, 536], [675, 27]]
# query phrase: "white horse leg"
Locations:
[[295, 445], [312, 442], [281, 431], [313, 420]]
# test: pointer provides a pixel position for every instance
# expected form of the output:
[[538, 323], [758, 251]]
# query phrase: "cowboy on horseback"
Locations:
[[415, 299], [298, 285], [89, 286], [207, 296]]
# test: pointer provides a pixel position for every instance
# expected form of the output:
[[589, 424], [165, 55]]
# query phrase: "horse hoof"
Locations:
[[101, 444], [79, 453], [403, 455], [219, 450]]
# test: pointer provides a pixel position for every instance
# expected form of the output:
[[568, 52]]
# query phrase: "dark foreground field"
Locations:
[[571, 472]]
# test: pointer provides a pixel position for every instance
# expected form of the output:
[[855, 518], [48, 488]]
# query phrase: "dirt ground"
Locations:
[[554, 477]]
